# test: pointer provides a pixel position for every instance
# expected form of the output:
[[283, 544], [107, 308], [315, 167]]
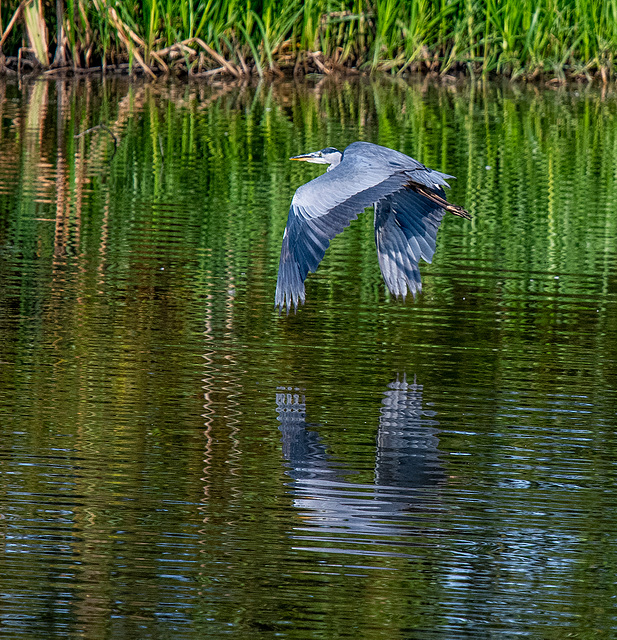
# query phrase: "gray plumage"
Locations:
[[409, 203]]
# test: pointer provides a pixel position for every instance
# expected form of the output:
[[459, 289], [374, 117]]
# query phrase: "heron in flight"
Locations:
[[409, 203]]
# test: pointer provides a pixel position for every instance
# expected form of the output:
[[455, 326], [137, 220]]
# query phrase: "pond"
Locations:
[[179, 461]]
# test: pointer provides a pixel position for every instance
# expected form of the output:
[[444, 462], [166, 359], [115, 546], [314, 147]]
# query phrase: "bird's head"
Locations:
[[329, 155]]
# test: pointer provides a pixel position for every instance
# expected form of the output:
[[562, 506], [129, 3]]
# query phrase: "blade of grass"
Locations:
[[37, 30]]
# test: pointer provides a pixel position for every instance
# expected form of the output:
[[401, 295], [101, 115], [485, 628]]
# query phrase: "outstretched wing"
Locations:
[[322, 208], [406, 225]]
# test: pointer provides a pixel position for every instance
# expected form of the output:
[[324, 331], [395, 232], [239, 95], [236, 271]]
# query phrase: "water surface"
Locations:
[[178, 461]]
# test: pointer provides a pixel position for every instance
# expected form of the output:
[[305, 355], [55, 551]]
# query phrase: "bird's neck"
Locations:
[[336, 161]]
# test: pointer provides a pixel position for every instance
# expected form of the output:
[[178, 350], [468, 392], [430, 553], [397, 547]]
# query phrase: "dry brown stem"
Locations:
[[11, 23]]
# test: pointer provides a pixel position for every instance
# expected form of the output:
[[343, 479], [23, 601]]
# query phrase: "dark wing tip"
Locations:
[[400, 277], [289, 284], [287, 299]]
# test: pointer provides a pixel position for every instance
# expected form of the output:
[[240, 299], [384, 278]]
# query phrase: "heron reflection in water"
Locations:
[[406, 477], [409, 203]]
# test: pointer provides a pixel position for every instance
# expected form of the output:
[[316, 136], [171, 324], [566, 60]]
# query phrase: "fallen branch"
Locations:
[[177, 46], [218, 57], [184, 47], [209, 73], [161, 62], [318, 63], [57, 70]]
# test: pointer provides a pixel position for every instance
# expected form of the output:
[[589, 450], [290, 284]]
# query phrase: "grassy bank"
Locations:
[[205, 38]]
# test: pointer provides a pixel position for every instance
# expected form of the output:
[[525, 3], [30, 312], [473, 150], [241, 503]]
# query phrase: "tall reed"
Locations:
[[511, 37]]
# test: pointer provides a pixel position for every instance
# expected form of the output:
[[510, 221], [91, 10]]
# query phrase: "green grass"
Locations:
[[508, 37]]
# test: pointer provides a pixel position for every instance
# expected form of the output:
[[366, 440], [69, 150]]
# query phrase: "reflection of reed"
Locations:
[[9, 144], [407, 471], [103, 244], [209, 382], [37, 177], [221, 393], [62, 206], [237, 221]]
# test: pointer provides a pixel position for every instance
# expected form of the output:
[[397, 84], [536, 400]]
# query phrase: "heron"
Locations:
[[408, 200]]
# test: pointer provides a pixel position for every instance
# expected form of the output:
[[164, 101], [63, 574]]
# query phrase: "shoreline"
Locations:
[[26, 68]]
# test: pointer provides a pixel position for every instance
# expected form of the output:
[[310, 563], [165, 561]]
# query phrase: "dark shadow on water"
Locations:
[[406, 479]]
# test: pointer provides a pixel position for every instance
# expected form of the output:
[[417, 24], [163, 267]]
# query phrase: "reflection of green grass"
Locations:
[[222, 160], [139, 313], [206, 179], [513, 37]]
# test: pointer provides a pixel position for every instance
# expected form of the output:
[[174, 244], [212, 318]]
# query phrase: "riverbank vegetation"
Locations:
[[206, 38]]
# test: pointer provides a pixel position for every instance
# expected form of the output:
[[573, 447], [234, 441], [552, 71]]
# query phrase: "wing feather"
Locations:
[[406, 225]]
